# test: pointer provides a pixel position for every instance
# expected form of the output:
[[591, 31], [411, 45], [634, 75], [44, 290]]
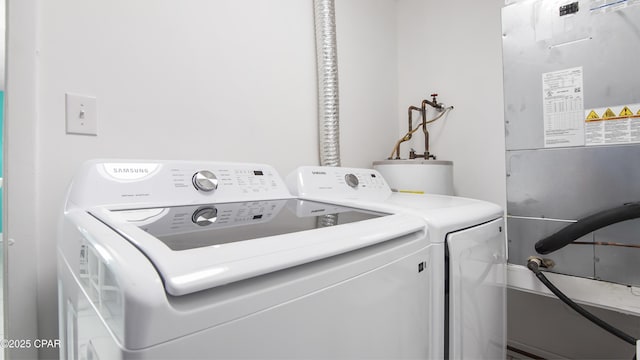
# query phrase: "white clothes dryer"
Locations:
[[209, 260], [467, 271]]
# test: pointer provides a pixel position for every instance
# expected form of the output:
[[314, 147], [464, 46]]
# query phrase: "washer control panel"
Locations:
[[120, 183], [226, 179]]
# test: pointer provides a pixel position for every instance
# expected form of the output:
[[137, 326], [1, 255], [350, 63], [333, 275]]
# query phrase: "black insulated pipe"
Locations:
[[587, 225]]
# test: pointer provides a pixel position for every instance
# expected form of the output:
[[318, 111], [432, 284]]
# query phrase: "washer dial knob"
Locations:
[[205, 180], [352, 180], [205, 216]]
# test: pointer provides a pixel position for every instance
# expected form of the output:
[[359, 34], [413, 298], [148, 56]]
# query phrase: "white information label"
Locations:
[[563, 110]]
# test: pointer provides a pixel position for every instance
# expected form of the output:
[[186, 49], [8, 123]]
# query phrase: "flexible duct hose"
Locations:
[[328, 104]]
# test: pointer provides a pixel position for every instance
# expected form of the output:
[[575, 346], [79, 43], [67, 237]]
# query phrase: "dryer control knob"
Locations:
[[205, 216], [352, 180], [205, 180]]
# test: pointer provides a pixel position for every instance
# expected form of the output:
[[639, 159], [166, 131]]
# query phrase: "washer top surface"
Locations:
[[192, 251]]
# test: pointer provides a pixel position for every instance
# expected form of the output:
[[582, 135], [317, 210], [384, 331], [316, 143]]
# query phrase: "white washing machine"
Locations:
[[207, 260], [467, 271]]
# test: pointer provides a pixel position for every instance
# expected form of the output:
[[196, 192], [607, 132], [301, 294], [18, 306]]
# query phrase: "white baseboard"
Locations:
[[602, 294]]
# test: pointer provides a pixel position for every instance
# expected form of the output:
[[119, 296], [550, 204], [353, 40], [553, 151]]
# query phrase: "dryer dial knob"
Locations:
[[205, 180], [205, 216], [352, 180]]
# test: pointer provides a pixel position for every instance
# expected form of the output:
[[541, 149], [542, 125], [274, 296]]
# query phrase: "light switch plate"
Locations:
[[81, 114]]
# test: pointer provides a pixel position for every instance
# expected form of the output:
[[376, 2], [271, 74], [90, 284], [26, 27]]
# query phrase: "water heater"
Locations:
[[417, 176]]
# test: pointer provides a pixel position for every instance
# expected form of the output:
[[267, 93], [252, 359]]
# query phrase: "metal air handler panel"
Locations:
[[596, 45]]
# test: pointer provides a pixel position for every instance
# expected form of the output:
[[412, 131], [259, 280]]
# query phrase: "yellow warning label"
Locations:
[[411, 191], [593, 115], [608, 114], [638, 112], [626, 112]]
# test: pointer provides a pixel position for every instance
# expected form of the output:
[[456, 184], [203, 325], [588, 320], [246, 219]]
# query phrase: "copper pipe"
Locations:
[[603, 243], [410, 116], [410, 130]]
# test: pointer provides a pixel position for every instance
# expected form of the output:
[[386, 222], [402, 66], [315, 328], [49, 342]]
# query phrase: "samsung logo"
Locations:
[[130, 171], [318, 173], [125, 171]]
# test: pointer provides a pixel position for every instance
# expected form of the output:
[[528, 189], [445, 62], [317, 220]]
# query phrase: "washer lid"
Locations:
[[203, 246]]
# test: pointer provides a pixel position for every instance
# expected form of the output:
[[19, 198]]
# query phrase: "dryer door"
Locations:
[[477, 292]]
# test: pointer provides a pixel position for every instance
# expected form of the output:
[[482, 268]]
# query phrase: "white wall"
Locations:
[[227, 80], [454, 48], [368, 63], [20, 219]]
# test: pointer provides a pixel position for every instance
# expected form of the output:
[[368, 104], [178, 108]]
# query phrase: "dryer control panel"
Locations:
[[338, 182]]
